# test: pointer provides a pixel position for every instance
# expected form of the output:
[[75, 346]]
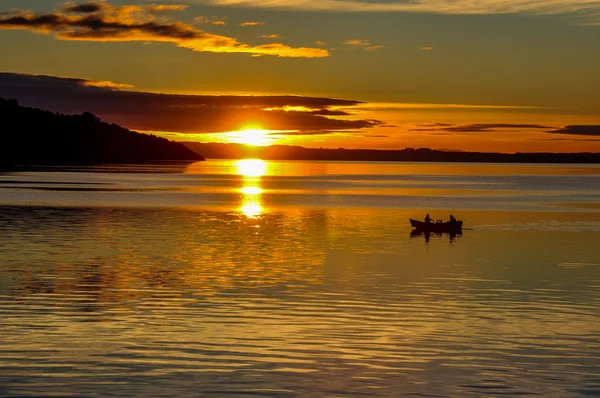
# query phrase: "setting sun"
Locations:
[[251, 136]]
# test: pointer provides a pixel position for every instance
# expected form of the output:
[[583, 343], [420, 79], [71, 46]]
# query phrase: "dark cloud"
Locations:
[[331, 112], [94, 21], [301, 133], [323, 112], [478, 127], [567, 139], [371, 123], [98, 27], [581, 129], [177, 113], [492, 127], [84, 8], [375, 136], [434, 125]]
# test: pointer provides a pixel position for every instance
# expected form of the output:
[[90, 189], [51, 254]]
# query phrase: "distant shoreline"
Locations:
[[285, 152]]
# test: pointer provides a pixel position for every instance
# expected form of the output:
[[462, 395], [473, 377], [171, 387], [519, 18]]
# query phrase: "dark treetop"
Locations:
[[31, 136]]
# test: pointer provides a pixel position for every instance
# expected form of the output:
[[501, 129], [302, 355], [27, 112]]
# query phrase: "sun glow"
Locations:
[[251, 209], [251, 136], [251, 190], [251, 167]]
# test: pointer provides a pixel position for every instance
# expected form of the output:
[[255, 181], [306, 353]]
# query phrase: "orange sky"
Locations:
[[483, 129], [485, 76]]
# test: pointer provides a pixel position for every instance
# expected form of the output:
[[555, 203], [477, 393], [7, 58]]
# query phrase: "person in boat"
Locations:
[[452, 219], [427, 219]]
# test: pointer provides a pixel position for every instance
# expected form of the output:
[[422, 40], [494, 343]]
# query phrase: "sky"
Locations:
[[487, 75]]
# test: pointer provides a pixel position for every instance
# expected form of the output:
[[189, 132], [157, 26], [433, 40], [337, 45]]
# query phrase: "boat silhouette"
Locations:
[[438, 226]]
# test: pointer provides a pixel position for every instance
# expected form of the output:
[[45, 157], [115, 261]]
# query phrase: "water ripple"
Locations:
[[295, 302]]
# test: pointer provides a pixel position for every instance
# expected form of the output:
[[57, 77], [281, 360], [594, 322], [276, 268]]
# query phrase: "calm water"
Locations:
[[300, 279]]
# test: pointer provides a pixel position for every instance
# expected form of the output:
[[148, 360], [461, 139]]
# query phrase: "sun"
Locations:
[[251, 136]]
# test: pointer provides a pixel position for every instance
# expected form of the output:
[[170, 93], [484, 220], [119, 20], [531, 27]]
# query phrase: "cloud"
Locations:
[[434, 125], [251, 23], [365, 44], [325, 132], [86, 8], [306, 132], [532, 7], [567, 139], [105, 84], [375, 136], [593, 130], [102, 22], [271, 36], [210, 20], [426, 48], [477, 127], [162, 8], [390, 106], [330, 112], [356, 42], [181, 113]]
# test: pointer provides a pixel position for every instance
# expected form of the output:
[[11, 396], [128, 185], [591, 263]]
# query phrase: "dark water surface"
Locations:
[[300, 279]]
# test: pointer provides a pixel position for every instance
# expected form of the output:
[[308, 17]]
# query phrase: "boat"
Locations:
[[438, 226]]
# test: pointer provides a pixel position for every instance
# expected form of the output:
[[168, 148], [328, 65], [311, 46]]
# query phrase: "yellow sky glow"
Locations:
[[250, 136]]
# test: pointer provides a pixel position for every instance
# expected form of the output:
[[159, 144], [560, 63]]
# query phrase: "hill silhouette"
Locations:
[[286, 152], [30, 136]]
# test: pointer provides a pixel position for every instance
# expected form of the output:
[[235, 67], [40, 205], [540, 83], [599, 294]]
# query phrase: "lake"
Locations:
[[299, 279]]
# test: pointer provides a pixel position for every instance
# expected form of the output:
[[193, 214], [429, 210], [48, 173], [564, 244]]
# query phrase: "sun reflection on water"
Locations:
[[251, 190], [251, 167], [251, 170], [251, 210]]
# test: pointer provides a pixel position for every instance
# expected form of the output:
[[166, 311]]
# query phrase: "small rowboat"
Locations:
[[438, 226]]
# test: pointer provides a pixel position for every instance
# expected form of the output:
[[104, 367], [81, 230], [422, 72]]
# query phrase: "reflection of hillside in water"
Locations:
[[116, 257]]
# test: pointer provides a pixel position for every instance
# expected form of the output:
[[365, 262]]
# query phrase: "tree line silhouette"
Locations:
[[30, 136]]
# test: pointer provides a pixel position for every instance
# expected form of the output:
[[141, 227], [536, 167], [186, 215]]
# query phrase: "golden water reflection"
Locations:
[[251, 190], [251, 209], [251, 167], [251, 171], [127, 296]]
